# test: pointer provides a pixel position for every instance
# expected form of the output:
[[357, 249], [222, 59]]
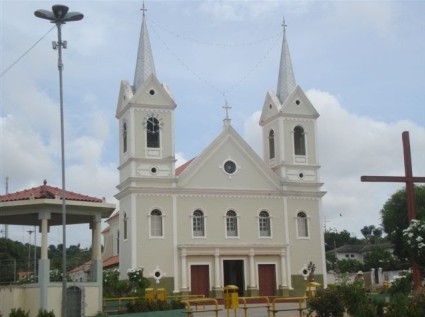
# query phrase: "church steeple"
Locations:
[[144, 63], [286, 80]]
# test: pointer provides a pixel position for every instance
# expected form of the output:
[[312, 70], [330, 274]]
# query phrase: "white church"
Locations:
[[228, 216]]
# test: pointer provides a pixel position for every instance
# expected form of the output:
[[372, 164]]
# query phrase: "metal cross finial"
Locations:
[[227, 107], [143, 9], [284, 25]]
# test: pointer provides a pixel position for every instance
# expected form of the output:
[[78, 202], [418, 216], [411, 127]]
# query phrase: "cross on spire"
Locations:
[[226, 107], [143, 9], [409, 179], [284, 25]]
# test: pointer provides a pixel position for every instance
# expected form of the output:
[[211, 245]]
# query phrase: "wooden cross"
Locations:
[[409, 179]]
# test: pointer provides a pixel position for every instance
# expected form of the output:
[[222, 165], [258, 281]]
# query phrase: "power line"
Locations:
[[26, 52]]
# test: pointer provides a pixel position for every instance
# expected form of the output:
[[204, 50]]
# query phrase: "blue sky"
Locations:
[[362, 64]]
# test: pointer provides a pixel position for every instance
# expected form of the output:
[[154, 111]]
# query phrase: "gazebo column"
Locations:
[[96, 269], [96, 257], [44, 262]]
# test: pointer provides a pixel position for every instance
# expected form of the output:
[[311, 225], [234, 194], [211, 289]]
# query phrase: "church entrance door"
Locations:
[[267, 279], [234, 274], [199, 280]]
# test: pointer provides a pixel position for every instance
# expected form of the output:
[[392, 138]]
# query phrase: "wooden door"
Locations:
[[267, 279], [200, 280]]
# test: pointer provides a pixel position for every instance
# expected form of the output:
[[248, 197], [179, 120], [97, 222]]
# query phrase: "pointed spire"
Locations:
[[286, 80], [144, 64]]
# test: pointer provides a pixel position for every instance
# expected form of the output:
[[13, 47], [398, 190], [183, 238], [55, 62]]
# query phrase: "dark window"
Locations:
[[271, 145], [299, 140], [124, 137], [125, 220], [152, 131]]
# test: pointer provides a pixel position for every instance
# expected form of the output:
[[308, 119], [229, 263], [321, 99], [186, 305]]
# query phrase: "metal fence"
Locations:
[[12, 271]]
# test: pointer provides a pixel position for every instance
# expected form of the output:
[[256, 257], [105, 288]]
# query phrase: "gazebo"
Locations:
[[42, 206]]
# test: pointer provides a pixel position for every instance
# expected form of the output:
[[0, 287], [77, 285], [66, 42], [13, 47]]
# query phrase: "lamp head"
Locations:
[[60, 14], [60, 10]]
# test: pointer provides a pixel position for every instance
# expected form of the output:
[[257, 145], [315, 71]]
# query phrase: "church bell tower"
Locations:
[[145, 112], [288, 120]]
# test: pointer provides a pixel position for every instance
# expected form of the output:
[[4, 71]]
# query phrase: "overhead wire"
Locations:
[[25, 53], [202, 79]]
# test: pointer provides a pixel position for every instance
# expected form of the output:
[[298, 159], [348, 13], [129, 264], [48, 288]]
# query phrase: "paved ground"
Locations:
[[253, 311]]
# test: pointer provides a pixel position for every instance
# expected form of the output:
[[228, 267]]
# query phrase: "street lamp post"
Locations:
[[60, 15]]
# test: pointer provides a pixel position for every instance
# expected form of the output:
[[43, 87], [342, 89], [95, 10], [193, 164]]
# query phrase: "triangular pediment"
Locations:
[[124, 97], [271, 107], [153, 94], [207, 171], [297, 104]]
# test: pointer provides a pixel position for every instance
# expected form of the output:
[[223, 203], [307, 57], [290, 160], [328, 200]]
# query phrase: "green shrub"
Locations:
[[45, 313], [18, 312], [402, 285], [143, 305], [347, 297], [326, 303]]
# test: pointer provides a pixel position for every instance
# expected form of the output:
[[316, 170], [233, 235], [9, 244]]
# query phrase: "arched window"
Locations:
[[152, 132], [302, 225], [271, 145], [156, 223], [231, 224], [124, 137], [299, 141], [198, 224], [264, 224], [125, 220]]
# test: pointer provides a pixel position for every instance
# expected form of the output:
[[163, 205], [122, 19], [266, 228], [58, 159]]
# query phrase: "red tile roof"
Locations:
[[181, 168], [111, 262], [46, 192]]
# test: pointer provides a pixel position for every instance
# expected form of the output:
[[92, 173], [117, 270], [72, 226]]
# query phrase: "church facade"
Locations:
[[228, 216]]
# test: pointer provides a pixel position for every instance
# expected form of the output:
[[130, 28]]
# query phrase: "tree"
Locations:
[[394, 217], [371, 234], [335, 239], [377, 257], [349, 265]]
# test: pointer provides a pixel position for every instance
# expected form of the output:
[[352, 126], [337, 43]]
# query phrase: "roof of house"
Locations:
[[47, 192], [361, 248], [111, 262]]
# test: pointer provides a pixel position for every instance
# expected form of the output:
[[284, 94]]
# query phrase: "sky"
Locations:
[[361, 63]]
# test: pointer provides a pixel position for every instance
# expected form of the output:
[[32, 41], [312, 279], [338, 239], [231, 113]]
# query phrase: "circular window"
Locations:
[[152, 92], [230, 167], [297, 102], [301, 175], [157, 274], [154, 170]]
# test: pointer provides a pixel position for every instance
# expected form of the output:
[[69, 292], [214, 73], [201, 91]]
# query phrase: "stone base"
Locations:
[[217, 292], [184, 291], [252, 292], [283, 291]]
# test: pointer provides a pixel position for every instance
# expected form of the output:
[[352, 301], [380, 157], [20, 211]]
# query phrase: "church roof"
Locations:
[[144, 63], [286, 79], [181, 168], [46, 192]]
